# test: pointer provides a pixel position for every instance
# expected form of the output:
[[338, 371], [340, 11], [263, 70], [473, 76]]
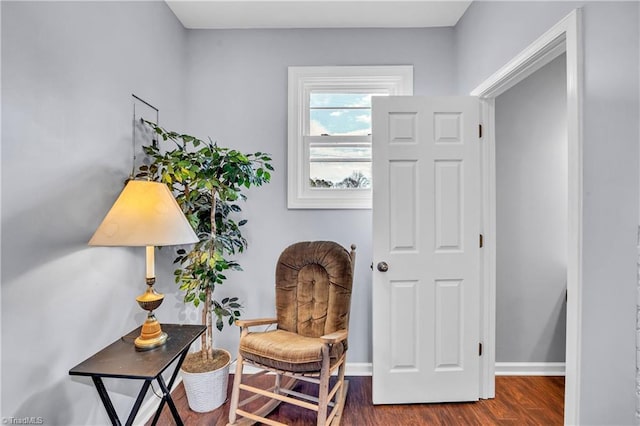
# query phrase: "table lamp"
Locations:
[[146, 214]]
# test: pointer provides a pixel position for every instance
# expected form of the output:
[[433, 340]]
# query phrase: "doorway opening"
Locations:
[[531, 224], [564, 37]]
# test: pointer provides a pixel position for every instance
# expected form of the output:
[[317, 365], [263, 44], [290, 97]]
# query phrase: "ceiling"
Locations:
[[221, 14]]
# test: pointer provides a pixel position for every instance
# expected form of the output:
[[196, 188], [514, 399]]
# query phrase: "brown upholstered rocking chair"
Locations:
[[313, 299]]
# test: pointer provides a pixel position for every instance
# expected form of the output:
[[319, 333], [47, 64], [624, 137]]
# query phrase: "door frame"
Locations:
[[564, 37]]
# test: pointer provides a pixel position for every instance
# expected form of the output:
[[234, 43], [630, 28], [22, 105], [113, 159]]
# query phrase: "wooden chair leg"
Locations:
[[323, 393], [343, 390], [235, 393], [342, 393], [278, 383]]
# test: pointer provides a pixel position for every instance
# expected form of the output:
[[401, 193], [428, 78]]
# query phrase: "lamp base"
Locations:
[[151, 335]]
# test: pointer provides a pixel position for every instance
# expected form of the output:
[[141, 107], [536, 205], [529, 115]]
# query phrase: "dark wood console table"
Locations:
[[121, 360]]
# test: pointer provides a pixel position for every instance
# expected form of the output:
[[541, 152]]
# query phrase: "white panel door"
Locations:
[[426, 221]]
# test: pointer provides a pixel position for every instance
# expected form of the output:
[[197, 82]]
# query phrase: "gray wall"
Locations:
[[237, 94], [531, 217], [488, 35], [68, 71]]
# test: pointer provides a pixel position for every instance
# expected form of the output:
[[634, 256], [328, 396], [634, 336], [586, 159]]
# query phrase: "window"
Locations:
[[329, 164]]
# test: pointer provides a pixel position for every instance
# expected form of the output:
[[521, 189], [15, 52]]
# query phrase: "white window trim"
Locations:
[[396, 80]]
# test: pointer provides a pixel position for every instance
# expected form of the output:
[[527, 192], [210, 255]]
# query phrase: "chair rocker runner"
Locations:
[[313, 299]]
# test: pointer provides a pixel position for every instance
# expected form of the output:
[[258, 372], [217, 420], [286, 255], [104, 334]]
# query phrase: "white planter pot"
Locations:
[[206, 391]]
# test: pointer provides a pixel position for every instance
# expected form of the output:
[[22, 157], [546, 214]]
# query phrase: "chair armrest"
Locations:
[[256, 322], [335, 337]]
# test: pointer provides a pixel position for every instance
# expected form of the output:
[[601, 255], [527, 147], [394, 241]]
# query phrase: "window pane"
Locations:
[[340, 122], [340, 175], [339, 152], [339, 100]]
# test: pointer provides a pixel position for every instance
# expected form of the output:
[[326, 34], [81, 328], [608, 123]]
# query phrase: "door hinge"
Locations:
[[479, 349], [481, 241], [480, 130]]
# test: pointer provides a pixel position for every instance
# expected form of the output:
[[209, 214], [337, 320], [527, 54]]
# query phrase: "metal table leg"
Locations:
[[166, 393], [138, 403], [106, 401], [167, 397], [178, 365]]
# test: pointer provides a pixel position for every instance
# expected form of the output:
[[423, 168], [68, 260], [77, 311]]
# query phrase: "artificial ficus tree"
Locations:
[[207, 181]]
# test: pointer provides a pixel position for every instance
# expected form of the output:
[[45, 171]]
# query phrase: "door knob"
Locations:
[[383, 267]]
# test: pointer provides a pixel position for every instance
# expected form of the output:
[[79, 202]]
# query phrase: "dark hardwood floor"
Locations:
[[519, 401]]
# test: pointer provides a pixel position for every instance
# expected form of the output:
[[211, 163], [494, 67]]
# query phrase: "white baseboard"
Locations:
[[359, 369], [530, 368], [502, 369]]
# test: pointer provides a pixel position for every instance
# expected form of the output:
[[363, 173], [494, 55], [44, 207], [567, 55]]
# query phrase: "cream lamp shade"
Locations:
[[145, 214]]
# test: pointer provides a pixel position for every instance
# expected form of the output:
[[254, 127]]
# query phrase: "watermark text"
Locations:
[[28, 420]]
